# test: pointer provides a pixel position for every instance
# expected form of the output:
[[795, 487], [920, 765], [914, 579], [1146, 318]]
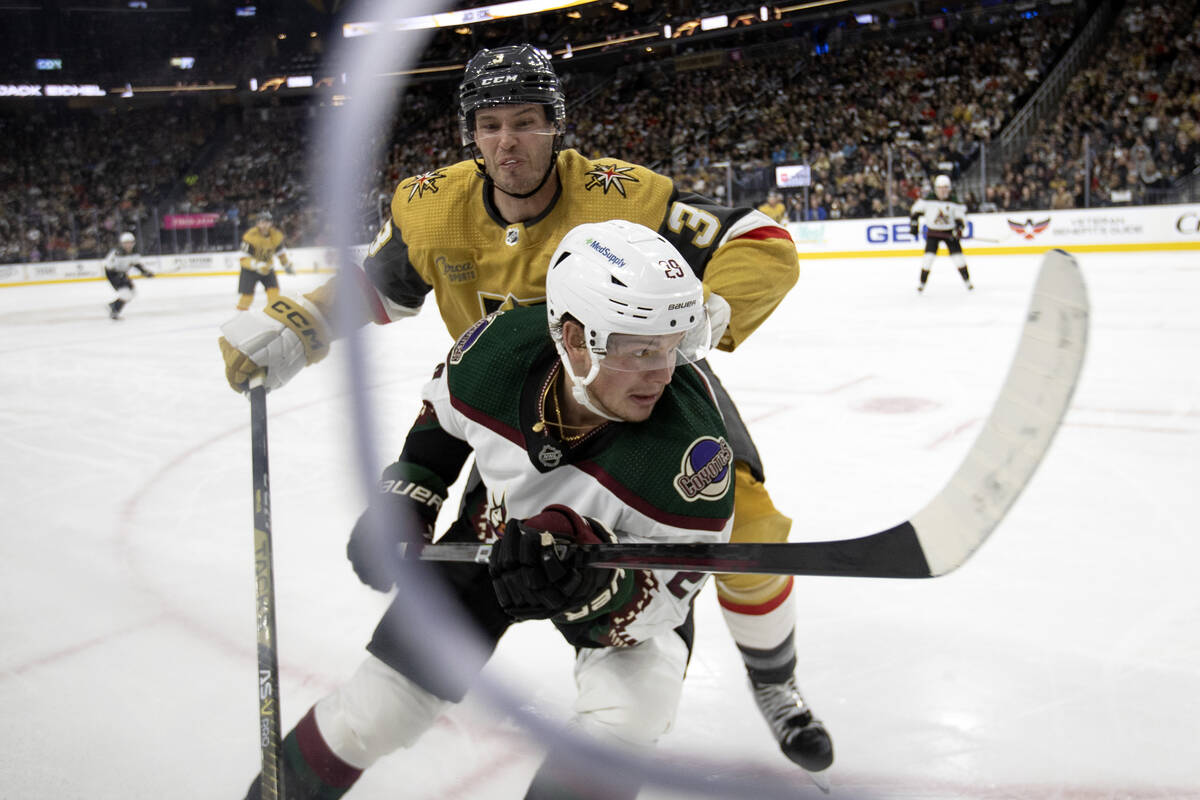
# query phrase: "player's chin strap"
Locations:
[[579, 385]]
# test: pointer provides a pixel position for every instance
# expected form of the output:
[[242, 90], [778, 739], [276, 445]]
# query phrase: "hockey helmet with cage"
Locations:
[[640, 305], [513, 74], [126, 238]]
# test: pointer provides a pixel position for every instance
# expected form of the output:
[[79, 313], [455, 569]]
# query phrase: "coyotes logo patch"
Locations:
[[704, 472], [470, 337]]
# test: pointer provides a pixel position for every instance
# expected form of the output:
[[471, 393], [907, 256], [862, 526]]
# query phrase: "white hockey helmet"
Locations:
[[638, 301], [941, 181], [126, 238]]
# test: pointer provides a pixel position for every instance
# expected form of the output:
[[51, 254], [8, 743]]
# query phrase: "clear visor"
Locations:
[[631, 352], [486, 131], [492, 121]]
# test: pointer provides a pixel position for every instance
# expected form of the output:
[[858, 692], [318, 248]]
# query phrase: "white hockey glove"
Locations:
[[718, 317], [283, 338]]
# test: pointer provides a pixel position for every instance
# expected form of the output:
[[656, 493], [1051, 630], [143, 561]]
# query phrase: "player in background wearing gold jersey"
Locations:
[[479, 234], [261, 245], [774, 207]]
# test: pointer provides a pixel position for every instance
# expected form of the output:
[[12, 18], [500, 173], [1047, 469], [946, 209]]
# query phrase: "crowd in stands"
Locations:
[[70, 183], [916, 96], [1137, 106]]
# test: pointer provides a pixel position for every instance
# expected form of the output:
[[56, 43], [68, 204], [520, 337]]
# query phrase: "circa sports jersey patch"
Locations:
[[609, 176], [455, 272], [425, 182], [470, 336], [704, 473]]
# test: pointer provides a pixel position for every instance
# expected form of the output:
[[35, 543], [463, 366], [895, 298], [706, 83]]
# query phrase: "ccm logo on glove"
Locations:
[[294, 317]]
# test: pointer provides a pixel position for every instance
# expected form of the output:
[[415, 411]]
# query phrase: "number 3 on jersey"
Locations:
[[383, 237], [702, 222]]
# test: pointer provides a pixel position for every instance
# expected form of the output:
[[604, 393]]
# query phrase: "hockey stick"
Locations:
[[942, 536], [264, 573]]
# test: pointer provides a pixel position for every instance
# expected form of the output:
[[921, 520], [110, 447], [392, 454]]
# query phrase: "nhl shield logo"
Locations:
[[512, 235], [704, 472], [550, 456]]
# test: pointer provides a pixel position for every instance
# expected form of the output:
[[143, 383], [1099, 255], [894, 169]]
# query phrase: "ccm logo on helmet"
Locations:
[[495, 79]]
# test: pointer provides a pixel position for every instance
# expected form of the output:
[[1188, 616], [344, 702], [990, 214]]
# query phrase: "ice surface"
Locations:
[[1063, 661]]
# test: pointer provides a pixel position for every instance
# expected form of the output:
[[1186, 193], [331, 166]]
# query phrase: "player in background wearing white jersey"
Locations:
[[579, 416], [117, 264], [945, 219], [478, 235]]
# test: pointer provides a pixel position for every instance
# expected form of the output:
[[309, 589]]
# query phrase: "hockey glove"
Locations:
[[405, 510], [718, 317], [283, 338], [914, 230], [534, 570]]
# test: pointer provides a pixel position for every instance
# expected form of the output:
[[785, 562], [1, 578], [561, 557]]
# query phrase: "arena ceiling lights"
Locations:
[[454, 19]]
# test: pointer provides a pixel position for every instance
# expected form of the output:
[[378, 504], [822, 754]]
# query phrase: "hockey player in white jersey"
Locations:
[[117, 264], [588, 424], [945, 219]]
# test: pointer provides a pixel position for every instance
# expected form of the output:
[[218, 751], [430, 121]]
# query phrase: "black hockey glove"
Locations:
[[914, 229], [405, 510], [534, 570]]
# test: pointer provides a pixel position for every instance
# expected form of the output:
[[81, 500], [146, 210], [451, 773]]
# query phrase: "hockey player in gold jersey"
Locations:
[[774, 207], [479, 234], [261, 245]]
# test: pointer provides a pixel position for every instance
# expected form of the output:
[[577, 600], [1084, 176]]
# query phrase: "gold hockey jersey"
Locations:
[[258, 251], [446, 235]]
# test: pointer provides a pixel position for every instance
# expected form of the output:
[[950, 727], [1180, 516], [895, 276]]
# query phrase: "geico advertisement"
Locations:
[[1163, 226]]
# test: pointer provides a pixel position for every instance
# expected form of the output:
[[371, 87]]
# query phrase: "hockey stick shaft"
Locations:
[[264, 574], [894, 553], [943, 535]]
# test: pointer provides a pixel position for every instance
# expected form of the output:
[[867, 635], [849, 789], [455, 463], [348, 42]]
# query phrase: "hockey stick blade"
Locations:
[[941, 536]]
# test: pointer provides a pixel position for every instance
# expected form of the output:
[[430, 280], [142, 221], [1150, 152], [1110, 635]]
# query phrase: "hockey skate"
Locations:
[[114, 309], [801, 737]]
